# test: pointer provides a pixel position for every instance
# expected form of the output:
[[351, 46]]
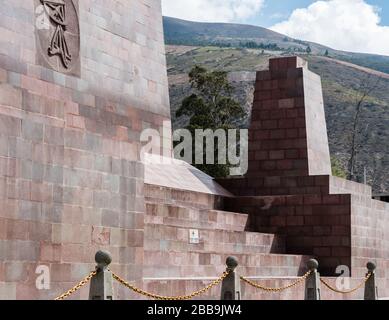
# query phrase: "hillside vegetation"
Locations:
[[344, 77]]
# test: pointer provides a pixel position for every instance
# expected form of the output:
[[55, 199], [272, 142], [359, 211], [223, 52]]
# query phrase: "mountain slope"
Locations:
[[181, 32], [342, 85], [176, 29]]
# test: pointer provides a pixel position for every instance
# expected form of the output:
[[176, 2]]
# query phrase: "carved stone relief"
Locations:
[[58, 35]]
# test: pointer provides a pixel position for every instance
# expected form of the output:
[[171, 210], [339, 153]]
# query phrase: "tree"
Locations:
[[376, 173], [210, 106], [309, 50], [337, 168], [326, 53], [366, 87]]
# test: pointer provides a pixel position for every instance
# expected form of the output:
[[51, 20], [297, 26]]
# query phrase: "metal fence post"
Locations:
[[231, 284], [101, 287], [371, 290], [312, 283]]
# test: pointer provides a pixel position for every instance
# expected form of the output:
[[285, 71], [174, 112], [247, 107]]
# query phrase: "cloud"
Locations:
[[350, 25], [212, 10]]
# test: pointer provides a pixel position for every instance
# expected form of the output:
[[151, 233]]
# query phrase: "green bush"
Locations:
[[337, 168]]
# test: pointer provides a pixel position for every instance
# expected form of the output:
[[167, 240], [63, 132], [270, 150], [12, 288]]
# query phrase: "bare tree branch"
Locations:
[[366, 87]]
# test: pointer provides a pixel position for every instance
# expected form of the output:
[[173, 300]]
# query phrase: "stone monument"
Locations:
[[289, 188], [79, 81]]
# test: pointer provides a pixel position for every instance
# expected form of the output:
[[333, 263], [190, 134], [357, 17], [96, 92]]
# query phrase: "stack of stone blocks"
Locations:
[[289, 188], [71, 181]]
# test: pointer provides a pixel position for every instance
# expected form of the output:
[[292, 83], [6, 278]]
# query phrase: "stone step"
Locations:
[[173, 238], [196, 264], [159, 194], [174, 215]]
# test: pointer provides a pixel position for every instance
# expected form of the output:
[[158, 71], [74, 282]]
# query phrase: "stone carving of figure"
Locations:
[[56, 10]]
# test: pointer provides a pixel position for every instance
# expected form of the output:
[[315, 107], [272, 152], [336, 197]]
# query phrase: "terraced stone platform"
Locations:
[[168, 252], [287, 208]]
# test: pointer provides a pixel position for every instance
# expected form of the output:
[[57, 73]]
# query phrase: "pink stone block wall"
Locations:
[[315, 225], [370, 239], [70, 177]]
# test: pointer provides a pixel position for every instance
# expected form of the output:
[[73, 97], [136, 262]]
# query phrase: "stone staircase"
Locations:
[[174, 266], [170, 255]]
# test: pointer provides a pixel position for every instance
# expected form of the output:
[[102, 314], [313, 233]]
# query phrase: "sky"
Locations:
[[350, 25]]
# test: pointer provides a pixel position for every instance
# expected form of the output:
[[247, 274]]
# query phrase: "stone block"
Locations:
[[53, 174], [10, 96], [110, 218], [32, 131], [7, 291], [135, 238], [54, 135], [101, 236], [10, 126], [50, 253]]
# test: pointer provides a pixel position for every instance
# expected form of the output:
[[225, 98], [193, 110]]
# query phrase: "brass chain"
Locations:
[[347, 291], [258, 286], [159, 297], [77, 287], [214, 283]]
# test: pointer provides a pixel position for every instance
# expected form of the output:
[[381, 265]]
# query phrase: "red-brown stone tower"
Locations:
[[288, 188]]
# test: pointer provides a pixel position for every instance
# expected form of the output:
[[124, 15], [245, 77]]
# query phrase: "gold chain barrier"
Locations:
[[77, 287], [347, 291], [102, 287], [158, 297], [294, 284]]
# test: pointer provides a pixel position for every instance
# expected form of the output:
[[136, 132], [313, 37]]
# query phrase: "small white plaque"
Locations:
[[194, 236]]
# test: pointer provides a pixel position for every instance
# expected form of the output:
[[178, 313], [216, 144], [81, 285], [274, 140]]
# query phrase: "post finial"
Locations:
[[312, 282], [313, 264], [371, 266], [103, 259], [231, 282], [232, 263], [101, 286]]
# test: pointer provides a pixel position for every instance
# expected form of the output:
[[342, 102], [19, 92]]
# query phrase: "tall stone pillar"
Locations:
[[288, 133], [79, 80], [287, 189]]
